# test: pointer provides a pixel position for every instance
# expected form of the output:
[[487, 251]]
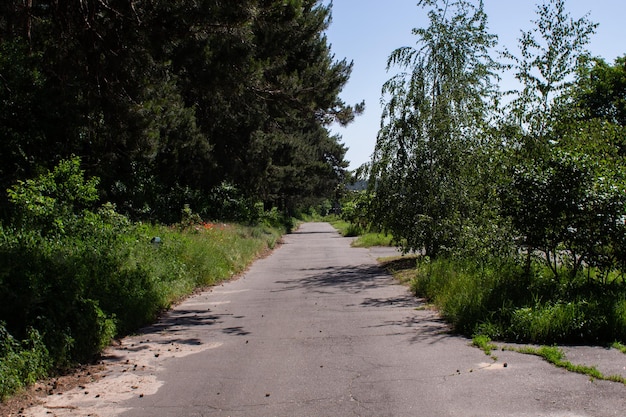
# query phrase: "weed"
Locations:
[[555, 356], [21, 363], [484, 343], [619, 346], [498, 299]]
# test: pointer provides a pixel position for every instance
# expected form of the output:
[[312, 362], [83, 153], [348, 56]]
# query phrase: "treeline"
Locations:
[[174, 102], [516, 199]]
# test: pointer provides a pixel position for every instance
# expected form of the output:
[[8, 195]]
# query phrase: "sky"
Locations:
[[367, 31]]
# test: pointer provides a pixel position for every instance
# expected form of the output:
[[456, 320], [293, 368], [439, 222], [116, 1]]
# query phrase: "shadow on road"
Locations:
[[407, 300], [179, 320], [352, 279], [424, 325]]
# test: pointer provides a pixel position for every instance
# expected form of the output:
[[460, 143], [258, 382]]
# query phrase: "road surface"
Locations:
[[319, 329]]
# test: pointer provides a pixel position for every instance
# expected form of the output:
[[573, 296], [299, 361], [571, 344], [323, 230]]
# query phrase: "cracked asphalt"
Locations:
[[319, 329]]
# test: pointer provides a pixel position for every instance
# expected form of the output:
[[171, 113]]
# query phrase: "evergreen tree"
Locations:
[[167, 101]]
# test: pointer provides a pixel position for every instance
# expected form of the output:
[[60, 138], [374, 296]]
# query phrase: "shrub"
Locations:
[[21, 363], [618, 319], [72, 278]]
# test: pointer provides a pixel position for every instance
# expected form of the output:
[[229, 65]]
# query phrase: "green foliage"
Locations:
[[467, 292], [599, 91], [556, 356], [519, 208], [21, 363], [53, 198], [356, 210], [369, 239], [23, 113], [619, 346], [500, 300], [570, 209], [549, 55], [168, 101], [424, 163], [558, 321], [484, 343], [79, 277]]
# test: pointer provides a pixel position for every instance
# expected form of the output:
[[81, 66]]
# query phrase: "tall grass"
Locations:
[[369, 239], [64, 298], [72, 278], [364, 238], [21, 362], [497, 299]]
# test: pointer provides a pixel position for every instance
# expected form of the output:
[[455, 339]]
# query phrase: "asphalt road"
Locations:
[[318, 329]]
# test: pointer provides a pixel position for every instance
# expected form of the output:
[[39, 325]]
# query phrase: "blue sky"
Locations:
[[367, 31]]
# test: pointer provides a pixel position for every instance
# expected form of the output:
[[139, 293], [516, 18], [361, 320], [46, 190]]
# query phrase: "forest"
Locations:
[[173, 103]]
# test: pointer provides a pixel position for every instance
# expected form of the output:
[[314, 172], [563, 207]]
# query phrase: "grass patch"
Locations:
[[65, 298], [401, 267], [342, 226], [550, 354], [365, 239], [484, 343], [370, 239], [619, 346], [499, 300], [555, 356]]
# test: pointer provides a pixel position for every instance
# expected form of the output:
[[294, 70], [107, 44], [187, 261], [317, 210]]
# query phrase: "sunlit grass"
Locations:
[[499, 300], [619, 346], [556, 356], [368, 240]]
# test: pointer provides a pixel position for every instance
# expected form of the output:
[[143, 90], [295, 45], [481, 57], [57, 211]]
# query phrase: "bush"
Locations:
[[21, 363], [618, 321], [72, 278]]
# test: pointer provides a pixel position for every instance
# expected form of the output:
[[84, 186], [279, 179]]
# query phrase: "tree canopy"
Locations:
[[462, 168], [434, 113], [167, 102]]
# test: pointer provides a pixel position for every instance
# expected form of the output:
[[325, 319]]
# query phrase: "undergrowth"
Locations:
[[499, 300], [72, 277]]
